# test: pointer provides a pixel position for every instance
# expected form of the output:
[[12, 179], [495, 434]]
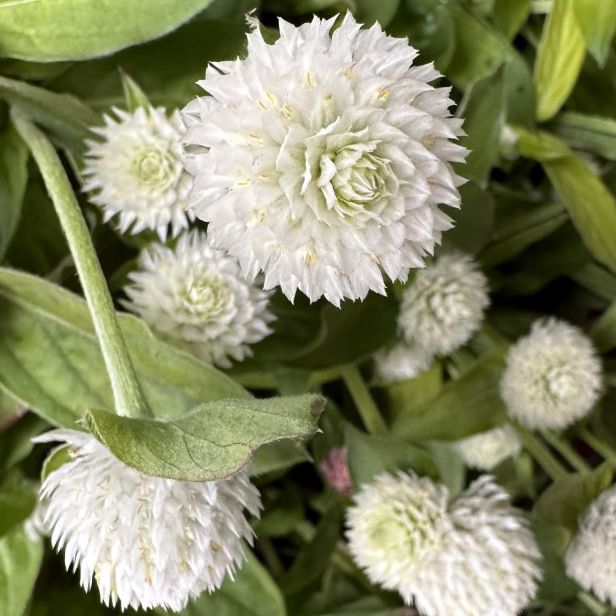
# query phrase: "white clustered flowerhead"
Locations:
[[445, 304], [135, 172], [590, 558], [468, 556], [553, 376], [147, 541], [488, 449], [322, 159], [401, 362], [196, 297]]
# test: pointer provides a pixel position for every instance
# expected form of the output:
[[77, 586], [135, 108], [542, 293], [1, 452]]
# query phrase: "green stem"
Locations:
[[540, 453], [364, 402], [128, 397], [594, 605], [566, 451], [599, 446], [268, 551]]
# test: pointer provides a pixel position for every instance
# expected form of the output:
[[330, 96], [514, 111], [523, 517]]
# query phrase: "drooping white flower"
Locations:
[[553, 376], [196, 297], [401, 362], [473, 555], [591, 556], [147, 541], [321, 159], [445, 304], [136, 172], [488, 449]]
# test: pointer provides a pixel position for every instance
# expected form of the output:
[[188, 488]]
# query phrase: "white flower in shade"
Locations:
[[488, 449], [136, 172], [321, 159], [196, 297], [147, 541], [473, 555], [401, 362], [553, 376], [34, 526], [445, 304], [591, 556]]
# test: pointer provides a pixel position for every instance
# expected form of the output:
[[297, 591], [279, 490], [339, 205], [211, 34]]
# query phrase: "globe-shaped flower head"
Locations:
[[488, 449], [473, 555], [553, 376], [135, 171], [322, 159], [147, 541], [196, 297], [401, 362]]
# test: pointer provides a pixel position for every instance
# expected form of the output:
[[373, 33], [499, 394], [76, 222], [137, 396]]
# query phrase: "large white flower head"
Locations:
[[136, 172], [196, 297], [473, 555], [147, 541], [445, 304], [321, 159], [553, 376], [591, 557], [488, 449], [401, 362]]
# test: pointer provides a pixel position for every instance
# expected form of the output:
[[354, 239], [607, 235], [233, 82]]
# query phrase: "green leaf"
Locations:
[[559, 58], [510, 16], [369, 11], [50, 359], [134, 96], [214, 441], [17, 501], [51, 30], [586, 132], [278, 456], [603, 331], [10, 410], [597, 279], [597, 19], [252, 592], [13, 179], [20, 560]]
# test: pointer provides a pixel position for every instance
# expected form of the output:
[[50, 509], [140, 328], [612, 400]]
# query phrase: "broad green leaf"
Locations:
[[591, 206], [10, 410], [597, 279], [559, 58], [16, 441], [50, 359], [519, 91], [213, 441], [278, 456], [451, 467], [252, 592], [597, 18], [17, 501], [13, 179], [49, 30], [383, 11], [465, 406], [283, 514], [603, 331], [510, 15], [586, 132], [20, 560]]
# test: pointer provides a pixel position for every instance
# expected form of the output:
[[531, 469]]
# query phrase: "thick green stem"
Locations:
[[364, 402], [128, 397], [566, 451], [606, 450], [540, 453], [594, 605]]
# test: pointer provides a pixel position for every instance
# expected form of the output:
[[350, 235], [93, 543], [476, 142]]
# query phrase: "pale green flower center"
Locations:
[[207, 298], [153, 167]]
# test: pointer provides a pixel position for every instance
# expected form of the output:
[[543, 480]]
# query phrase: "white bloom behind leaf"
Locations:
[[147, 541], [322, 159], [401, 362], [196, 297], [445, 304], [590, 559], [553, 376], [135, 172], [488, 449], [473, 555]]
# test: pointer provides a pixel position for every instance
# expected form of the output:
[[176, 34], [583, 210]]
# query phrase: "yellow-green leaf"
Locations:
[[597, 19]]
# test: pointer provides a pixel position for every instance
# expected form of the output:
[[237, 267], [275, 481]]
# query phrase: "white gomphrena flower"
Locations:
[[445, 304], [135, 172], [147, 541], [196, 297], [473, 555], [553, 376], [488, 449], [591, 556], [322, 159], [401, 362]]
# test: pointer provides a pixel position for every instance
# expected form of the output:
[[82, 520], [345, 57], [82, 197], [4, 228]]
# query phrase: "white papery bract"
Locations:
[[488, 449], [473, 555], [321, 159], [553, 376], [445, 304], [147, 541], [135, 172], [401, 362], [591, 557], [196, 297]]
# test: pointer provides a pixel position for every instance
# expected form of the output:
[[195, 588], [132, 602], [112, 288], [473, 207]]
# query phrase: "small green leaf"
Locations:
[[597, 19], [56, 458], [559, 58], [603, 331], [214, 441], [134, 96], [586, 132], [278, 456]]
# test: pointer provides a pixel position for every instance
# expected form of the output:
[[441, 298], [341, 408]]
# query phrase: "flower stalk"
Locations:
[[364, 402]]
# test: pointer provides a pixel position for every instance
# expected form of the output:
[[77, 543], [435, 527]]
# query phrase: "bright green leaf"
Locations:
[[134, 96], [597, 19], [586, 132], [510, 15]]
